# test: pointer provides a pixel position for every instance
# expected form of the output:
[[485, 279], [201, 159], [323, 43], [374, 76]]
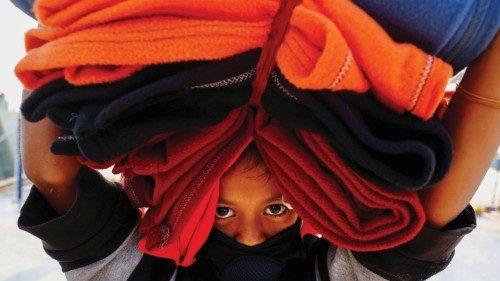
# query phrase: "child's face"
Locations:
[[251, 208]]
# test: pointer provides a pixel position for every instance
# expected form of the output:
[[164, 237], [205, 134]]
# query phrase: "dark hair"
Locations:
[[252, 159]]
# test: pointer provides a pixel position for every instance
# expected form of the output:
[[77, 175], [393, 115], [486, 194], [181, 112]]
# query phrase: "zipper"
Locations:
[[198, 181], [248, 75]]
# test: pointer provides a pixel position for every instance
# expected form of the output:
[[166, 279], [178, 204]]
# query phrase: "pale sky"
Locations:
[[13, 24]]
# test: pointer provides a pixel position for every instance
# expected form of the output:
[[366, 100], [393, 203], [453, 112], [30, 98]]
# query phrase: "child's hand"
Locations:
[[54, 176]]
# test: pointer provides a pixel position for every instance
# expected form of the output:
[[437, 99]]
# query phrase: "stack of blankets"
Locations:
[[161, 91]]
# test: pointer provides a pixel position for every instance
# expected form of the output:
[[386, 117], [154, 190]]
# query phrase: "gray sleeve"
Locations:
[[425, 255], [117, 266], [342, 266], [97, 238]]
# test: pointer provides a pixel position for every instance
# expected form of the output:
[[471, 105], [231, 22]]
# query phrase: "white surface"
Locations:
[[13, 24]]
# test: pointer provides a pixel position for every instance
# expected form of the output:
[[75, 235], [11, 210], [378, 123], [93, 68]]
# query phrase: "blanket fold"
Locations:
[[389, 149], [160, 90], [168, 174], [331, 45], [336, 214], [181, 200], [458, 34]]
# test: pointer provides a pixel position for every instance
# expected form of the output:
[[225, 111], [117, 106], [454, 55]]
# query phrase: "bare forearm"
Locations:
[[53, 175], [475, 131]]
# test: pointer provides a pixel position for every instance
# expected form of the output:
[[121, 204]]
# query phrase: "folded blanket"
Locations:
[[133, 110], [392, 150], [61, 94], [76, 15], [347, 210], [198, 109], [182, 171], [329, 45], [180, 148], [150, 158], [155, 81], [456, 31], [396, 151], [181, 200]]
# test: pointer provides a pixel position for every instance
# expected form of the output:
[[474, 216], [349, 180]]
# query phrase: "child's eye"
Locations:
[[275, 209], [224, 212]]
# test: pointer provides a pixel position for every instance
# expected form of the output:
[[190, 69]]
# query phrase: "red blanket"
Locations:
[[177, 179]]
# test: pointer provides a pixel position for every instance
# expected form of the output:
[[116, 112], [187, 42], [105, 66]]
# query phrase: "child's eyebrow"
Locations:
[[274, 199], [267, 201], [225, 202]]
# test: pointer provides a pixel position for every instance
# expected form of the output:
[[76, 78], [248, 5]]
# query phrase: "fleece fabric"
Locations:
[[61, 94], [330, 45], [390, 149], [154, 100], [110, 252], [456, 31], [183, 169], [191, 111], [181, 201], [156, 81], [347, 209]]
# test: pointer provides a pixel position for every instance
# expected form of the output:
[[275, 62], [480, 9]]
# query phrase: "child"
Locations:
[[88, 225]]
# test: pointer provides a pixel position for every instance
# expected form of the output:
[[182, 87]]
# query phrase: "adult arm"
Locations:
[[475, 131]]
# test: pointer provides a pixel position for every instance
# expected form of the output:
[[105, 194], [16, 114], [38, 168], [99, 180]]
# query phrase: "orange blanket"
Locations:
[[329, 45]]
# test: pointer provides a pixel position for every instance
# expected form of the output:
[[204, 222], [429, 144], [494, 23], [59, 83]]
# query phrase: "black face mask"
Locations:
[[223, 258]]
